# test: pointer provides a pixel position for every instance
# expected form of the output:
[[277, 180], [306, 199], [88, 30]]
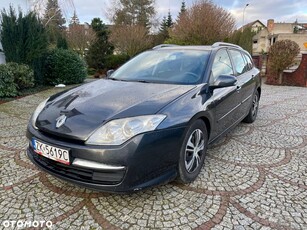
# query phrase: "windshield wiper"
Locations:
[[118, 79], [115, 79], [143, 81]]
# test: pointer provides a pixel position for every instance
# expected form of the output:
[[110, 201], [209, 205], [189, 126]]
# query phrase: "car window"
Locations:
[[246, 65], [165, 66], [221, 65], [249, 61], [240, 64]]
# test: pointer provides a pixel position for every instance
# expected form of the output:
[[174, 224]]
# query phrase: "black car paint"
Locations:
[[112, 100], [149, 149], [150, 158]]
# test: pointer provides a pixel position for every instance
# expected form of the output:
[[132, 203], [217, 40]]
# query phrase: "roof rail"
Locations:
[[163, 45], [217, 44]]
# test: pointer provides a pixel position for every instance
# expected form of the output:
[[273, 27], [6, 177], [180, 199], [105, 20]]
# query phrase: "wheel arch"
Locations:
[[206, 118]]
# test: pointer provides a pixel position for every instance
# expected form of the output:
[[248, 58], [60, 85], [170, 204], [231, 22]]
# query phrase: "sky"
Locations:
[[279, 10]]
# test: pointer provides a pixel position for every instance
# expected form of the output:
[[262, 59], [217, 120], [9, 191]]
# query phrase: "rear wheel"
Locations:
[[253, 111], [193, 150]]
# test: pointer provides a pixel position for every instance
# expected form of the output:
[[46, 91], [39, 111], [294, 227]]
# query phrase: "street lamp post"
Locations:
[[243, 15]]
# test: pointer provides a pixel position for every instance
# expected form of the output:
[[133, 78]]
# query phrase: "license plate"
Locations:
[[51, 152]]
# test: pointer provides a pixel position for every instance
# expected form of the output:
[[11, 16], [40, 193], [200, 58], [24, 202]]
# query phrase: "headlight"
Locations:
[[37, 111], [118, 131]]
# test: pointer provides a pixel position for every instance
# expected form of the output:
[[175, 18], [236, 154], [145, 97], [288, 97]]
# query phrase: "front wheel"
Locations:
[[193, 150], [253, 111]]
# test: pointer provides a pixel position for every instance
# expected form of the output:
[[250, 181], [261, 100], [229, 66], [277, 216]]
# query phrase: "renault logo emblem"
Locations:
[[60, 121]]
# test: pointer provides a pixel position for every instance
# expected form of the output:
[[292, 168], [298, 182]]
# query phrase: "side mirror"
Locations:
[[224, 81], [110, 72]]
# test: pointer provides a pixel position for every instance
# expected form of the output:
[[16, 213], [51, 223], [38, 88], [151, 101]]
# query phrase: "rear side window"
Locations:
[[240, 64], [221, 65], [249, 61]]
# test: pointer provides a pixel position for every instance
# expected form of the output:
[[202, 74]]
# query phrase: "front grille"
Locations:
[[102, 177], [57, 137]]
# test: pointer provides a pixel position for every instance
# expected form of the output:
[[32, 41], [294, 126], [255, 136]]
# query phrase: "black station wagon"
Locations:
[[149, 122]]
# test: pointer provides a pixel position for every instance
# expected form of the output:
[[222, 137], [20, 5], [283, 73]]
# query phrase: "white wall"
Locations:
[[300, 39], [2, 58]]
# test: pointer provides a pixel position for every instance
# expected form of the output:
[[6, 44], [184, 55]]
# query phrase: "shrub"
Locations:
[[62, 43], [281, 56], [65, 67], [39, 69], [23, 75], [115, 61], [7, 85], [91, 71]]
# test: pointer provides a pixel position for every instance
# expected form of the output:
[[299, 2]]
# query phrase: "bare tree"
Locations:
[[39, 7], [80, 37], [202, 24], [130, 39]]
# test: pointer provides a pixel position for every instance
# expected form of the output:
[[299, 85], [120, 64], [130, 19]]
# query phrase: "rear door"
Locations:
[[251, 84], [246, 82]]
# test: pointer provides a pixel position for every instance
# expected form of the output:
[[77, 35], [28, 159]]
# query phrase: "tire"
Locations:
[[192, 153], [253, 111]]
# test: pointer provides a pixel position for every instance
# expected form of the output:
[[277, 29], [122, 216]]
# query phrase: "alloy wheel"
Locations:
[[194, 150]]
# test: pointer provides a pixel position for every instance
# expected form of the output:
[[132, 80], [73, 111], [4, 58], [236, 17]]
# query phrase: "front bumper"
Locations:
[[146, 160]]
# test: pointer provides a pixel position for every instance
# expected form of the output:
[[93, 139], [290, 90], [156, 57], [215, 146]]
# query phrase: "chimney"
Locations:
[[270, 25]]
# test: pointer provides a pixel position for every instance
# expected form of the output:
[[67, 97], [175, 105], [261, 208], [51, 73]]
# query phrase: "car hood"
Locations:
[[89, 106]]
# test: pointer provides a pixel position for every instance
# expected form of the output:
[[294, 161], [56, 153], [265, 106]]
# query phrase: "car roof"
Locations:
[[184, 48], [216, 45]]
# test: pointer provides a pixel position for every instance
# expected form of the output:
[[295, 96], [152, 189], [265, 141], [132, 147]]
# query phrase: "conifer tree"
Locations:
[[54, 20], [74, 19], [131, 12], [163, 31], [101, 48], [169, 21], [182, 9], [23, 37], [166, 24]]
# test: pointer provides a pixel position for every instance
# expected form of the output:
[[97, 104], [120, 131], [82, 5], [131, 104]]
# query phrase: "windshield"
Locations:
[[165, 66]]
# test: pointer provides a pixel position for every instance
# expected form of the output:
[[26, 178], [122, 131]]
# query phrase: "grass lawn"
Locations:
[[40, 88], [26, 92]]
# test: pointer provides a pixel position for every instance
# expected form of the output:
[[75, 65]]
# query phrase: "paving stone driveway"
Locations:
[[255, 178]]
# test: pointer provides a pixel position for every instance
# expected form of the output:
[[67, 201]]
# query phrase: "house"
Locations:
[[273, 32], [296, 73], [255, 26]]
